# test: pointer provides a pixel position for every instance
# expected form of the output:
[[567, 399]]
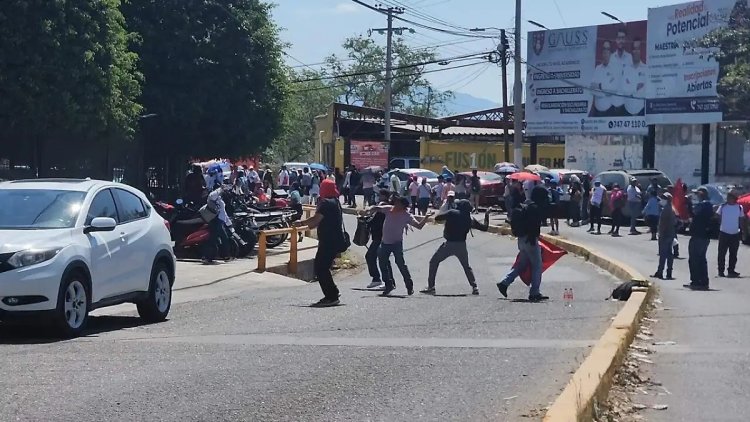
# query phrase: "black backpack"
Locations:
[[624, 290], [522, 220]]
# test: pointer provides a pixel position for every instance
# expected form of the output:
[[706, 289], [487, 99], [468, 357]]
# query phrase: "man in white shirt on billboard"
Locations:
[[604, 81], [620, 61], [635, 81]]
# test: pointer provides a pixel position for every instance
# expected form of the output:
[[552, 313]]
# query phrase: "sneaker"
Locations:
[[410, 292], [590, 230], [615, 234], [325, 302], [696, 287], [503, 289], [733, 274], [428, 291], [658, 275], [635, 232], [598, 232], [375, 284], [475, 291], [537, 298], [207, 261], [387, 291], [721, 274]]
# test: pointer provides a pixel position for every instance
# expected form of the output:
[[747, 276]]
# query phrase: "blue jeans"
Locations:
[[635, 211], [384, 260], [529, 254]]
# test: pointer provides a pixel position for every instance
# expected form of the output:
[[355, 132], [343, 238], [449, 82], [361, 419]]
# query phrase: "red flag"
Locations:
[[550, 254], [679, 202]]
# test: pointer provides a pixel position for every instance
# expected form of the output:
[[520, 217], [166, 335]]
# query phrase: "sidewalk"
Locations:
[[703, 370]]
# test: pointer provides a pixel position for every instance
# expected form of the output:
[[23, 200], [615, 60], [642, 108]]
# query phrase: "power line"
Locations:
[[420, 25], [450, 59], [383, 79], [559, 12]]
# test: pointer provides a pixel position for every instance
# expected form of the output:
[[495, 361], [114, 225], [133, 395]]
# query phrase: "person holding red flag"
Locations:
[[526, 222]]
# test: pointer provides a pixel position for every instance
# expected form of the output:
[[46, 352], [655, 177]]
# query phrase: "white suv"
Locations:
[[69, 246]]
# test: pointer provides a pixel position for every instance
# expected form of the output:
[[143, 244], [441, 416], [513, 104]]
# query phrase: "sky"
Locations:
[[316, 28]]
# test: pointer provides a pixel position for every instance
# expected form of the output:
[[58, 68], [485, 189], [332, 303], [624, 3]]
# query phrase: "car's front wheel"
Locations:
[[72, 306], [155, 307]]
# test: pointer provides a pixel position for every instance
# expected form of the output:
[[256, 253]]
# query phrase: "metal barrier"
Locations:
[[262, 253]]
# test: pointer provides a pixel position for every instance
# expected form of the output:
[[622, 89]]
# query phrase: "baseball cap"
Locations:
[[701, 189], [451, 193], [666, 195]]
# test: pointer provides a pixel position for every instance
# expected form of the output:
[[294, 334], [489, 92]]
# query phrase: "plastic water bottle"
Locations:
[[568, 297]]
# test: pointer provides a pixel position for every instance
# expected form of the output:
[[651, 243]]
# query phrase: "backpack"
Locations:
[[624, 290], [522, 220]]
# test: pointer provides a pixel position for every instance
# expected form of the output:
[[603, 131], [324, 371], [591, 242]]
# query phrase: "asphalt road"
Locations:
[[261, 353], [705, 370]]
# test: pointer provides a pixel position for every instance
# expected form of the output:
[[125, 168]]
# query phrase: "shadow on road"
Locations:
[[34, 333]]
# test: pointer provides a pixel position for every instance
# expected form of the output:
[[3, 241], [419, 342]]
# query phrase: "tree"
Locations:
[[68, 81], [305, 102], [213, 76], [366, 59], [734, 62]]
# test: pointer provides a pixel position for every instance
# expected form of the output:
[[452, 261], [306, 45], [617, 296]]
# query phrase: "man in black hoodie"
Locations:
[[458, 223], [526, 223]]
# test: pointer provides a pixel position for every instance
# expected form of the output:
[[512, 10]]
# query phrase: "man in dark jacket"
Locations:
[[195, 185], [528, 221], [699, 240], [458, 223]]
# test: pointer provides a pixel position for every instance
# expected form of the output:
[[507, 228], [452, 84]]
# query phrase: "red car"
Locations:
[[493, 187]]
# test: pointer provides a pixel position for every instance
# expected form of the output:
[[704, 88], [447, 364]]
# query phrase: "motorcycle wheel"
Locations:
[[276, 240]]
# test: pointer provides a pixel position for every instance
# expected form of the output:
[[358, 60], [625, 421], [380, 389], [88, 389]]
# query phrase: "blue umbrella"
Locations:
[[318, 166]]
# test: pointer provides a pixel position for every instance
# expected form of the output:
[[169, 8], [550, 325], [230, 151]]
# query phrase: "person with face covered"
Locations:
[[458, 223]]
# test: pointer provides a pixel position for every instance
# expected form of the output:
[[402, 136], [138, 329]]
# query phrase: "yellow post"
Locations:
[[262, 252], [293, 252]]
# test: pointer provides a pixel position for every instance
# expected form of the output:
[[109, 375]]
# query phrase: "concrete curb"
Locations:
[[590, 384]]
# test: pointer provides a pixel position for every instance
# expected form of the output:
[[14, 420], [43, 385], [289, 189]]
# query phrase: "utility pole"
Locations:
[[389, 12], [518, 116], [504, 47]]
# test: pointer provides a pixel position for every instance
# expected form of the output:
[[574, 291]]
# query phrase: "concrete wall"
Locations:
[[597, 153]]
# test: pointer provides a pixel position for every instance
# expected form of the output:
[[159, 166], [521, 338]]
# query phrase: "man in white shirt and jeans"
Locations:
[[597, 198], [634, 204], [730, 214]]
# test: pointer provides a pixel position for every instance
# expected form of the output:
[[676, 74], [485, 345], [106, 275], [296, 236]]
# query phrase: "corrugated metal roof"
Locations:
[[474, 131]]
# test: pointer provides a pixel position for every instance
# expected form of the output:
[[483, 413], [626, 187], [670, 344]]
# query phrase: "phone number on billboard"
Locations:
[[627, 123]]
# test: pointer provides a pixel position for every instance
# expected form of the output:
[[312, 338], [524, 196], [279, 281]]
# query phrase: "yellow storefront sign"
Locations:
[[464, 156]]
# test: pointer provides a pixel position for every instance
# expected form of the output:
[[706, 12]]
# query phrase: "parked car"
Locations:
[[405, 175], [404, 163], [492, 187], [71, 246], [623, 177]]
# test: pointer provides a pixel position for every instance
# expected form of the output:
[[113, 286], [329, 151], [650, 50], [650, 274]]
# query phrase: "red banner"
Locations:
[[368, 153]]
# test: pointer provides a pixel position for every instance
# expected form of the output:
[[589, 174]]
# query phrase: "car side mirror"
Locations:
[[101, 224]]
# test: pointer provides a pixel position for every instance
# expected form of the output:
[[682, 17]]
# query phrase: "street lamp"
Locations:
[[538, 25], [613, 17]]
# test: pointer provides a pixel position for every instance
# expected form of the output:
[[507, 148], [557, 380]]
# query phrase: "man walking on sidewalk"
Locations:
[[597, 200], [731, 217], [458, 224], [634, 204], [526, 224], [666, 229], [699, 240]]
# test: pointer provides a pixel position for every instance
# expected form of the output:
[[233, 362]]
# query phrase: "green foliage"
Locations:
[[734, 60], [66, 73], [306, 101], [411, 91], [213, 75]]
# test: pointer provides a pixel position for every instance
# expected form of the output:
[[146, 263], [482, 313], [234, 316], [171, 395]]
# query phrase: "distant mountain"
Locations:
[[466, 103]]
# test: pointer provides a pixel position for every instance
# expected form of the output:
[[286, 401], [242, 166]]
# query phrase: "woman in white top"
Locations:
[[413, 192]]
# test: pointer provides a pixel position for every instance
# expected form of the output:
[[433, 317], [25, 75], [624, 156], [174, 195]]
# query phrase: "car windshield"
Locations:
[[39, 209], [425, 174], [490, 177], [644, 179]]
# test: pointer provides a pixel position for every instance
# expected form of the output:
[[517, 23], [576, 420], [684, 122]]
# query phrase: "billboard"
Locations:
[[587, 80], [368, 153], [683, 76]]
